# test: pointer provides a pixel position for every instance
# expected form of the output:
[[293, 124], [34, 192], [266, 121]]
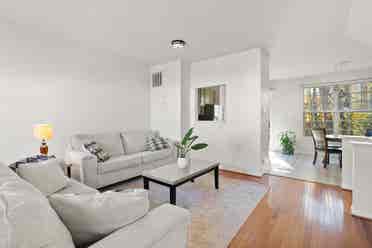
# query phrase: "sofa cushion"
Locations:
[[90, 217], [111, 142], [135, 141], [46, 176], [149, 156], [74, 187], [119, 163], [78, 140], [26, 218]]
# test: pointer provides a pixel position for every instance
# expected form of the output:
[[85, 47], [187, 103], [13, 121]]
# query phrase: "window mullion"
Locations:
[[336, 110]]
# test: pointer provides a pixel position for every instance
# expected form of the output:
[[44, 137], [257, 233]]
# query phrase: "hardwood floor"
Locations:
[[302, 214]]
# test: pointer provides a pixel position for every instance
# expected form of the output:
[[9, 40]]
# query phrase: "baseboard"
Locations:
[[346, 186], [361, 214], [240, 171]]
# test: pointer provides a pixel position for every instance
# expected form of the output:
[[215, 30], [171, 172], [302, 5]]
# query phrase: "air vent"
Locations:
[[156, 79]]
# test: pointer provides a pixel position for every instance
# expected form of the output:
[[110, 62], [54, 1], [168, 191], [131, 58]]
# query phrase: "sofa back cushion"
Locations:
[[78, 140], [110, 141], [26, 218], [135, 141]]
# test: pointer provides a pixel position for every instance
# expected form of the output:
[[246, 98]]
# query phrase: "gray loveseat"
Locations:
[[128, 157]]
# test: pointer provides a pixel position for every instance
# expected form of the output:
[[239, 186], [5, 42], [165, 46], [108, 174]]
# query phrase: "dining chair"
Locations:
[[321, 144], [369, 132]]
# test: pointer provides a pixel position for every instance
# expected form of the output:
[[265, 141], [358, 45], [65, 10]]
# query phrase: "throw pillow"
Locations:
[[46, 176], [97, 150], [156, 143], [91, 217]]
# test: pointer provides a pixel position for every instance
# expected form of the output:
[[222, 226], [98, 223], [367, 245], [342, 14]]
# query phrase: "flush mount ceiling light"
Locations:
[[178, 43]]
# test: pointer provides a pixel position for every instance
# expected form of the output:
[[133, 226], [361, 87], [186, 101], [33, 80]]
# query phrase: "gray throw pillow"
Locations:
[[46, 176], [156, 144], [91, 217], [97, 150]]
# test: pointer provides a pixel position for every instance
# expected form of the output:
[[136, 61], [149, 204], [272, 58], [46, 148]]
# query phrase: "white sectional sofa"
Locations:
[[129, 157], [28, 220]]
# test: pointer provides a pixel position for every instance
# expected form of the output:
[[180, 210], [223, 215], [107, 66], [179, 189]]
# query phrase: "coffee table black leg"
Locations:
[[145, 183], [172, 191], [216, 177]]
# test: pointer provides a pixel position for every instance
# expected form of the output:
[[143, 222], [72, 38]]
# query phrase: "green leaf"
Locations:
[[199, 146], [187, 136], [194, 137]]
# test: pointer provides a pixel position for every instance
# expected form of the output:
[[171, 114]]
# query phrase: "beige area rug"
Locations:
[[217, 215]]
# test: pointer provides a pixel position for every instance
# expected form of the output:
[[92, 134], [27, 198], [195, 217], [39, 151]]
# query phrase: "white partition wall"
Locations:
[[362, 180], [347, 158], [237, 141]]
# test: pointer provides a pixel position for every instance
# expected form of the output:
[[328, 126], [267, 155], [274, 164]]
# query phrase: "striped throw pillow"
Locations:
[[156, 144], [97, 150]]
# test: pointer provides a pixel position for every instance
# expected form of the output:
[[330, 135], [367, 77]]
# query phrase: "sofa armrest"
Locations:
[[84, 167], [165, 226]]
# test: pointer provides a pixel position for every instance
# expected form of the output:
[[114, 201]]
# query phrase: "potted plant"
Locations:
[[288, 142], [187, 145]]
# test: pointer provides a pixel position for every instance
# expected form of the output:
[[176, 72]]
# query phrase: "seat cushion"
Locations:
[[26, 218], [91, 217], [149, 156], [135, 141], [74, 187], [119, 163]]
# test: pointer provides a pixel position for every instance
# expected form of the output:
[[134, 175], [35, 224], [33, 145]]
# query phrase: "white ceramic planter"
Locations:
[[182, 162]]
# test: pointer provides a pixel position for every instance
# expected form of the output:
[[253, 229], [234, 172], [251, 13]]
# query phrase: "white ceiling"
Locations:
[[304, 37]]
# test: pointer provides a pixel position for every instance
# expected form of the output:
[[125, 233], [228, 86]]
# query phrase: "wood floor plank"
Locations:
[[296, 214]]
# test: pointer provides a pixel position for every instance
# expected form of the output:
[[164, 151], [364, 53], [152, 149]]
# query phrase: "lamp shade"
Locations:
[[43, 131]]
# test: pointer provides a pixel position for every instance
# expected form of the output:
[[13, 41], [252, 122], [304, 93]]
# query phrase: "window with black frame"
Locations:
[[341, 108]]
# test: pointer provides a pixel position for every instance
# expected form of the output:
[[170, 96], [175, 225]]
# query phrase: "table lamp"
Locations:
[[43, 132]]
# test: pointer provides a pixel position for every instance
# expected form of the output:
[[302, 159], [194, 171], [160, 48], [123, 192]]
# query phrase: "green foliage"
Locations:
[[187, 144], [288, 142]]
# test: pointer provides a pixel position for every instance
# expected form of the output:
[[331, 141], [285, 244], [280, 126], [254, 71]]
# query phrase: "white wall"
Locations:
[[185, 97], [165, 101], [170, 103], [48, 80], [287, 105], [236, 142]]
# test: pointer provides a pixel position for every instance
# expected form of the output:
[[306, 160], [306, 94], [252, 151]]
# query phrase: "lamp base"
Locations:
[[44, 149]]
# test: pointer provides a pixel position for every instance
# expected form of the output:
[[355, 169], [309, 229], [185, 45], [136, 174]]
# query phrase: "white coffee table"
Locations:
[[172, 176]]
